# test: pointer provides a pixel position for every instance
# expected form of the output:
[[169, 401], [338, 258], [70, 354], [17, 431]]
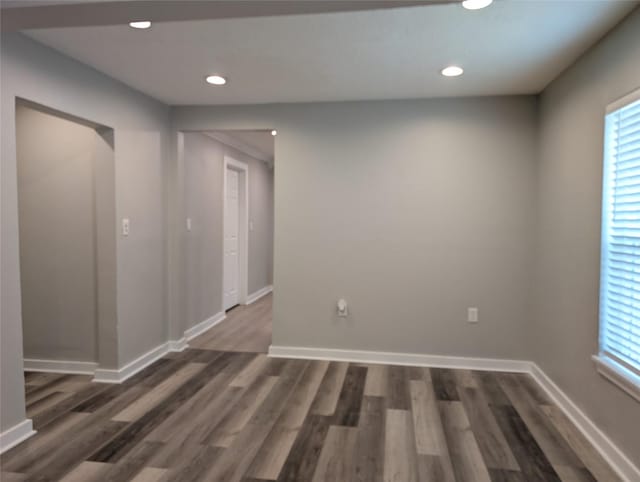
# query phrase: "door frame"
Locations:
[[243, 226]]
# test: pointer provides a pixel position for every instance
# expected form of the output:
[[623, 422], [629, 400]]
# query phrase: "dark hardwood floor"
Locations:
[[209, 414]]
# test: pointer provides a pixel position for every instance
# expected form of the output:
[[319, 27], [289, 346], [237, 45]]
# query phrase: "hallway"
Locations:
[[246, 328]]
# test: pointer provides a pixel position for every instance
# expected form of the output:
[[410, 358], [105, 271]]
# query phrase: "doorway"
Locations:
[[235, 233], [227, 180], [66, 217]]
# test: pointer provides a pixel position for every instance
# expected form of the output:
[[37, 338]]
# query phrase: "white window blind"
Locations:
[[620, 270]]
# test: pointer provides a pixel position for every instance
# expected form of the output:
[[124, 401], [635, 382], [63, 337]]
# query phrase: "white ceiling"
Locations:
[[511, 47], [261, 141]]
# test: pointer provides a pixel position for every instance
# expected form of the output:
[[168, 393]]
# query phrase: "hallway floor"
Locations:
[[246, 328]]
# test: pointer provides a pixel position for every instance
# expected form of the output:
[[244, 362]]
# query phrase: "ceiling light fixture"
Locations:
[[476, 4], [452, 71], [216, 80], [141, 25], [274, 132]]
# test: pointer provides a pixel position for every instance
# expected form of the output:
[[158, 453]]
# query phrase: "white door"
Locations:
[[231, 244]]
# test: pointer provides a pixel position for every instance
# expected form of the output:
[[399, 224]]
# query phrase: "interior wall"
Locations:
[[57, 219], [203, 177], [410, 210], [564, 334], [261, 217], [41, 75]]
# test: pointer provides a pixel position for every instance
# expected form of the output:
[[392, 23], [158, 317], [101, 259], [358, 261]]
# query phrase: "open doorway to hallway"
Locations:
[[67, 235], [228, 206], [66, 214]]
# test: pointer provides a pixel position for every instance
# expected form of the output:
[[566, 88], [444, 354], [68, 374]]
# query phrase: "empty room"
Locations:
[[320, 240]]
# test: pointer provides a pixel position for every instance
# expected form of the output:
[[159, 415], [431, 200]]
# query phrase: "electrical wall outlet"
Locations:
[[472, 315]]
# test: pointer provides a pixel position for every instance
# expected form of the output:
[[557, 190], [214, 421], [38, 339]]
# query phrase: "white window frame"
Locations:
[[606, 365]]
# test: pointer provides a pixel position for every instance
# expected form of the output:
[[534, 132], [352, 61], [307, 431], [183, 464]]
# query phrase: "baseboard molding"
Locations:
[[408, 359], [256, 295], [205, 325], [611, 453], [60, 366], [16, 434], [178, 345], [131, 368]]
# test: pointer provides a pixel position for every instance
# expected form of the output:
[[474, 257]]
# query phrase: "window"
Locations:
[[619, 357]]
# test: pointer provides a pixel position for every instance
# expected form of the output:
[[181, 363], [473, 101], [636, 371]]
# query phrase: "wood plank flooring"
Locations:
[[215, 414], [247, 328]]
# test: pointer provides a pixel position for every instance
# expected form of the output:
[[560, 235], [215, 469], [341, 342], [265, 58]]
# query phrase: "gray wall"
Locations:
[[141, 125], [58, 254], [204, 164], [411, 210], [564, 335], [261, 215]]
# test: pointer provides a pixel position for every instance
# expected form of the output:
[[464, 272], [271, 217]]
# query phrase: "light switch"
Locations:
[[472, 315], [188, 224], [250, 225], [343, 309], [125, 226]]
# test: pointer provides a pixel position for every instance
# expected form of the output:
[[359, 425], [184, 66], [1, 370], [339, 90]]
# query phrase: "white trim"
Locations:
[[16, 434], [256, 295], [178, 345], [609, 451], [243, 228], [205, 325], [239, 145], [409, 359], [60, 366], [623, 101], [620, 376], [131, 368], [120, 375]]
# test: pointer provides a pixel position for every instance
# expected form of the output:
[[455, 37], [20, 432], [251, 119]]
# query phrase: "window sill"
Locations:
[[623, 378]]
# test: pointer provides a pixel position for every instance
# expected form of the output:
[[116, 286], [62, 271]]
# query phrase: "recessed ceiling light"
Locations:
[[452, 71], [216, 80], [142, 24], [274, 132], [476, 4]]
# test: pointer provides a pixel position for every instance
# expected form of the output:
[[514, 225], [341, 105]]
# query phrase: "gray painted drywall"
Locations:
[[564, 334], [140, 124], [261, 217], [204, 164], [411, 210], [58, 255]]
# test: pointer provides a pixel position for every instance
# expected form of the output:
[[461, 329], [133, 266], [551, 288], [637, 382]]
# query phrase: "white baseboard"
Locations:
[[131, 368], [256, 295], [205, 325], [60, 366], [178, 345], [120, 375], [609, 451], [16, 434], [409, 359]]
